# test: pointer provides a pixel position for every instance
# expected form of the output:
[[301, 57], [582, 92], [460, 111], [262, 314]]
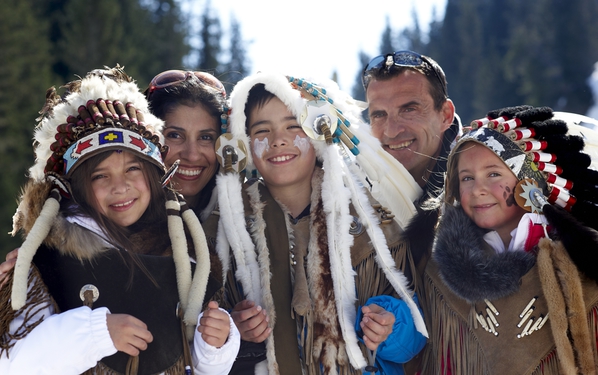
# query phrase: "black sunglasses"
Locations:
[[399, 58]]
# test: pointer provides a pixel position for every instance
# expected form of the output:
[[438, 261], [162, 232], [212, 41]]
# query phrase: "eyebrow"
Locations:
[[287, 118], [486, 167]]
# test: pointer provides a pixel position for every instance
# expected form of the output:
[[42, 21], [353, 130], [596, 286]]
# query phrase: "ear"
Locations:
[[448, 114]]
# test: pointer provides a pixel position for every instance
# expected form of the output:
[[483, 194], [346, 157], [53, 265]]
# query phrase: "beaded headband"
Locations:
[[542, 153], [103, 111]]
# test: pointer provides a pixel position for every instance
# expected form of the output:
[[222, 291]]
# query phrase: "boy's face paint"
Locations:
[[302, 143], [486, 189], [120, 188], [260, 146], [287, 161]]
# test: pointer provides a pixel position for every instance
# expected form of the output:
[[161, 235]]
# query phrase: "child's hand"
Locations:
[[11, 260], [129, 334], [214, 325], [251, 320], [376, 325]]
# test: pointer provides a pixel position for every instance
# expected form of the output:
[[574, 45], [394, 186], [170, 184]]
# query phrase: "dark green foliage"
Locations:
[[209, 36], [238, 65], [498, 53], [25, 73]]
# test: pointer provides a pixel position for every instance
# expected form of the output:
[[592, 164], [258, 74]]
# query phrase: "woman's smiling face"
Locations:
[[190, 134]]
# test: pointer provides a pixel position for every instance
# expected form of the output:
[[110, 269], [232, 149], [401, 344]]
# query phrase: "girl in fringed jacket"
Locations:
[[111, 289], [503, 290]]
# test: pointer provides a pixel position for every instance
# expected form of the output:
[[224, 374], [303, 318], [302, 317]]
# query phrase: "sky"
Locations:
[[314, 38]]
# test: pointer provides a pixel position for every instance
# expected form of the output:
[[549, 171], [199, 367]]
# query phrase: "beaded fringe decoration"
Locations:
[[38, 298], [451, 335]]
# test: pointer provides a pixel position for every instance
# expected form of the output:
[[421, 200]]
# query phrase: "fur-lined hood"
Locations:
[[469, 267]]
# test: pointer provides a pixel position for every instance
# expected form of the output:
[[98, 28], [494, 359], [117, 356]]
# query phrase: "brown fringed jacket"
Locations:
[[508, 313], [303, 308]]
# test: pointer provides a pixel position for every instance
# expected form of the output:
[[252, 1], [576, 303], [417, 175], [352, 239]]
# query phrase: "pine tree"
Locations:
[[358, 92], [209, 35], [25, 74], [386, 44], [238, 65]]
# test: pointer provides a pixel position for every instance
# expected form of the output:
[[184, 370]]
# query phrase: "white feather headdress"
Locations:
[[343, 154]]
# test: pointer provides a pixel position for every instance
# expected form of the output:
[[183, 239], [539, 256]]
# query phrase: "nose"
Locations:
[[479, 188], [120, 185], [191, 151], [279, 138], [393, 127]]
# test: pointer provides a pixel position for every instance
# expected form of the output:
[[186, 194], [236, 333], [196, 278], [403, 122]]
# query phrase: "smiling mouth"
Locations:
[[278, 159], [189, 172], [125, 204], [401, 145]]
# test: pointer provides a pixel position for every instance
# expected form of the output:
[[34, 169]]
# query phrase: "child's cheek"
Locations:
[[303, 144], [259, 147]]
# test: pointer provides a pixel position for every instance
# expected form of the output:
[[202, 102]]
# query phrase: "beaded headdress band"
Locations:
[[543, 154], [101, 112]]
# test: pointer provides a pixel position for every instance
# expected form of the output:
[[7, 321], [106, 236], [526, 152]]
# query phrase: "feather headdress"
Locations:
[[102, 111], [344, 147], [554, 157]]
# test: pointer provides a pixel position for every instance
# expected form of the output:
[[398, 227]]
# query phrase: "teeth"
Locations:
[[282, 158], [189, 172], [123, 204], [400, 145]]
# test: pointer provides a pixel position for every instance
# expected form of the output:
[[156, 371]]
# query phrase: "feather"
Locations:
[[383, 257], [335, 198]]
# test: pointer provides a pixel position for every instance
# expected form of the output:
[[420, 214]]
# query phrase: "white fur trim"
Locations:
[[197, 292], [38, 233], [258, 235], [180, 255], [232, 216], [92, 88]]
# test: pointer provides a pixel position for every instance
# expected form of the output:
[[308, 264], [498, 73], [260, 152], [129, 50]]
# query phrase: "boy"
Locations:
[[304, 258]]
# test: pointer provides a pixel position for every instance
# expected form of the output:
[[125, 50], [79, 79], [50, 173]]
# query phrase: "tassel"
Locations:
[[180, 252], [35, 237]]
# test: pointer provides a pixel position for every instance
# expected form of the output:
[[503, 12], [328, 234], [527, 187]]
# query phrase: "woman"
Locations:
[[192, 105]]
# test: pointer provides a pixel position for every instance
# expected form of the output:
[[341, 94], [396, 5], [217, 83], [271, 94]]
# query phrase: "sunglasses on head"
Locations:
[[172, 77], [402, 59]]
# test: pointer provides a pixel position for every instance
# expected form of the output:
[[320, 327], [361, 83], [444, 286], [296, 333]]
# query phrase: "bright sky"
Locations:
[[313, 38]]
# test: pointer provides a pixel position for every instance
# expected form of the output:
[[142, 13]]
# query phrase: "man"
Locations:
[[411, 114]]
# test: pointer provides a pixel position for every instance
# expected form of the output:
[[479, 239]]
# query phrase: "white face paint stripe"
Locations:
[[259, 147], [303, 144]]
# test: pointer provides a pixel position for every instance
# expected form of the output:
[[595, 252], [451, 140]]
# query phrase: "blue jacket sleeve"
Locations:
[[404, 342]]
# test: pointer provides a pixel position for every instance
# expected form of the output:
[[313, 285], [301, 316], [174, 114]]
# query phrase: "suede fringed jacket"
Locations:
[[505, 313], [301, 290]]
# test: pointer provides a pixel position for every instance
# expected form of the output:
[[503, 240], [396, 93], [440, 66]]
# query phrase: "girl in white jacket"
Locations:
[[103, 281]]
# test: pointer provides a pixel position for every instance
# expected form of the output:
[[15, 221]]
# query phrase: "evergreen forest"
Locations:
[[495, 53]]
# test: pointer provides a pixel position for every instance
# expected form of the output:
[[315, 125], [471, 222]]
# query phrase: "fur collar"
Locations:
[[467, 265]]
